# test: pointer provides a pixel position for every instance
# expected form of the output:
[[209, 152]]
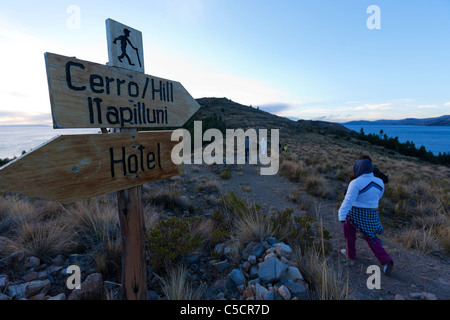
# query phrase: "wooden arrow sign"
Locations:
[[89, 95], [72, 167]]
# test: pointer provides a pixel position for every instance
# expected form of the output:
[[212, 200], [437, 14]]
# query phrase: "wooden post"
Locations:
[[131, 216]]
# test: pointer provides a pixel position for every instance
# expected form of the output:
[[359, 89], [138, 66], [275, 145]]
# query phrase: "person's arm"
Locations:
[[350, 197]]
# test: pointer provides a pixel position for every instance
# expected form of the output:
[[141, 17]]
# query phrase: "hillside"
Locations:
[[438, 121], [235, 115], [231, 228]]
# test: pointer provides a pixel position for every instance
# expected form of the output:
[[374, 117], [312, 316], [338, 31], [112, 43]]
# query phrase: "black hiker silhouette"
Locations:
[[124, 41]]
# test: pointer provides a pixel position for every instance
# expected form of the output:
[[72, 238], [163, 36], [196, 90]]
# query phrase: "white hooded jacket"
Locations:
[[362, 192]]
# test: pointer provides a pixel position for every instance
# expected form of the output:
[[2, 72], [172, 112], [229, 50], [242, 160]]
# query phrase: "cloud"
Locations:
[[275, 107], [427, 106], [17, 117], [372, 107]]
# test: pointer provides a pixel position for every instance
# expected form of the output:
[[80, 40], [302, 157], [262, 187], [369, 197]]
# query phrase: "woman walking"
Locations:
[[359, 210]]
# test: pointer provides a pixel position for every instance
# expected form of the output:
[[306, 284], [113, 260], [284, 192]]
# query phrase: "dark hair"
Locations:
[[364, 156]]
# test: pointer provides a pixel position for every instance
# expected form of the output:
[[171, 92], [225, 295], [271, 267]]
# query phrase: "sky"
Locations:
[[322, 60]]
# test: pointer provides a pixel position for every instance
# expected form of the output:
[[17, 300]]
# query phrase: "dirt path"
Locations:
[[413, 272]]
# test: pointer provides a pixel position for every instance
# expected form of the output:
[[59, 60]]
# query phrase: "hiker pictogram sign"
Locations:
[[125, 48]]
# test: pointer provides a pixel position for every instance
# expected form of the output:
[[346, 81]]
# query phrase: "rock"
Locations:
[[58, 260], [31, 263], [270, 295], [192, 258], [253, 248], [37, 287], [152, 295], [220, 284], [42, 275], [4, 297], [249, 292], [91, 289], [270, 255], [253, 271], [227, 252], [428, 296], [220, 266], [60, 296], [246, 266], [76, 294], [283, 250], [298, 289], [3, 281], [39, 296], [415, 295], [399, 297], [284, 292], [292, 273], [271, 241], [12, 261], [271, 270], [30, 276], [41, 267], [260, 292], [17, 291], [54, 269], [237, 277], [218, 249]]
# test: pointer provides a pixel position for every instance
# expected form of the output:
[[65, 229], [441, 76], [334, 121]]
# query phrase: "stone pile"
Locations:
[[416, 296], [267, 271], [29, 278]]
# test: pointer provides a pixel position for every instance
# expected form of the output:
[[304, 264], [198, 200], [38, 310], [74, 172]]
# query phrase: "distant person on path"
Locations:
[[247, 148], [359, 210], [263, 145]]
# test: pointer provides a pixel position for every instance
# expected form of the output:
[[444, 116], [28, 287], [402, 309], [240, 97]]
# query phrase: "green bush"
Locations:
[[170, 240], [225, 174], [304, 231]]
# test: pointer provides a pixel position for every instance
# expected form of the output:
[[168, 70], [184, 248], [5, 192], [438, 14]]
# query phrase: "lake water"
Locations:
[[15, 139], [434, 139]]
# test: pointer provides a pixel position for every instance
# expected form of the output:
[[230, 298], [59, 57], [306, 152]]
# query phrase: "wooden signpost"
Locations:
[[72, 167], [90, 95]]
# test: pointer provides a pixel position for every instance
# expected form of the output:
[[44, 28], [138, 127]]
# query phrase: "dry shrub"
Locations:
[[209, 186], [176, 285], [326, 283], [94, 221], [252, 226], [317, 186], [293, 170], [421, 240], [44, 240]]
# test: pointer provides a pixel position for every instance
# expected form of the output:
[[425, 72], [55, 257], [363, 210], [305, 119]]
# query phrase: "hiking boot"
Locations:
[[387, 268]]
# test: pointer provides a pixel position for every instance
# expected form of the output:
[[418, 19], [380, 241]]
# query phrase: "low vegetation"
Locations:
[[415, 209]]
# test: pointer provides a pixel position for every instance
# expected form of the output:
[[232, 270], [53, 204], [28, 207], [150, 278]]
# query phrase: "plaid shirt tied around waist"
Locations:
[[366, 220]]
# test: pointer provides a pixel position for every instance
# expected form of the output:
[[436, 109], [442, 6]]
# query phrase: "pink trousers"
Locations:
[[374, 244]]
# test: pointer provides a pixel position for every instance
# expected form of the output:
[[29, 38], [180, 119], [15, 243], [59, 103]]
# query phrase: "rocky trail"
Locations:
[[415, 276]]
